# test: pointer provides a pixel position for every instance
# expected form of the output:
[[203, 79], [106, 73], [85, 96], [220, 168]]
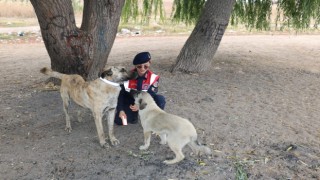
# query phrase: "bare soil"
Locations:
[[257, 108]]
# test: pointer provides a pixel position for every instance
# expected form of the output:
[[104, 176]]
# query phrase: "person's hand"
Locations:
[[134, 107], [122, 114]]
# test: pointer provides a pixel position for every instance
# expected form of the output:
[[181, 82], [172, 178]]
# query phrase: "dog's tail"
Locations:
[[197, 148], [50, 72]]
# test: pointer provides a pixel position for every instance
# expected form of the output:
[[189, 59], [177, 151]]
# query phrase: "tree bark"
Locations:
[[200, 48], [74, 50]]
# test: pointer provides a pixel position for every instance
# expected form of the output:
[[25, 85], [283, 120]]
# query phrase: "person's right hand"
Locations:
[[134, 108], [122, 115]]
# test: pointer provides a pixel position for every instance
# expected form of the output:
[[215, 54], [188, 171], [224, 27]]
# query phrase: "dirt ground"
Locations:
[[257, 108]]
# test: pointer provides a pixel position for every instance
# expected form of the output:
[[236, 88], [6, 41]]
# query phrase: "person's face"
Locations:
[[142, 68]]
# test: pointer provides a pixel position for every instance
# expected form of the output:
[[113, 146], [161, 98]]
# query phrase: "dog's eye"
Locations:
[[123, 70]]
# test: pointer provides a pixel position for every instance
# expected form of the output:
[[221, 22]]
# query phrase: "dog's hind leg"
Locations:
[[97, 114], [111, 113], [177, 149], [66, 101], [147, 138]]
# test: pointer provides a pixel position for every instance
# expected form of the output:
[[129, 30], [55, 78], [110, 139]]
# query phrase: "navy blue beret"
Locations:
[[141, 58]]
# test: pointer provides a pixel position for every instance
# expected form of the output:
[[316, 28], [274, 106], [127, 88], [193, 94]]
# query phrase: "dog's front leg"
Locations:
[[98, 121], [163, 138], [147, 138], [111, 113]]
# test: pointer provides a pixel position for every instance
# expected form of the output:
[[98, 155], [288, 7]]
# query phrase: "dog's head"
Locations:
[[140, 99], [116, 74]]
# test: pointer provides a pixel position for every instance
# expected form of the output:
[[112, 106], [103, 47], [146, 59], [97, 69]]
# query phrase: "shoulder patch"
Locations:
[[156, 84]]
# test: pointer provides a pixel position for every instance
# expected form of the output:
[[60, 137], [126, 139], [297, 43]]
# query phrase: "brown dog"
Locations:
[[173, 129], [100, 95]]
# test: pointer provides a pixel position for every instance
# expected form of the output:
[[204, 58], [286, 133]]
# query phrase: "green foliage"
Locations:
[[131, 11], [252, 13], [150, 6], [299, 14], [187, 11], [256, 14], [296, 14], [77, 6]]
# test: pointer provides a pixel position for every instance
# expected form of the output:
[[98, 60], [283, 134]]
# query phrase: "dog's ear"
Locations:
[[142, 104], [107, 72]]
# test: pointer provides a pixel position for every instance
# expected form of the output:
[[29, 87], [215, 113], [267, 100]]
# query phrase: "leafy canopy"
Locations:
[[131, 10], [254, 14]]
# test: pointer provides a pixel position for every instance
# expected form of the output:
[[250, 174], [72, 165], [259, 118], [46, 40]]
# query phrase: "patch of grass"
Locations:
[[14, 37], [241, 166], [241, 174], [144, 155], [5, 36], [18, 22]]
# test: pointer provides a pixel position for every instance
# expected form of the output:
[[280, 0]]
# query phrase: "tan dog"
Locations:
[[100, 95], [175, 130]]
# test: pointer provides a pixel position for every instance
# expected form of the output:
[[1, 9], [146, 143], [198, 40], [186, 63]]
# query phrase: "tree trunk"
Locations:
[[74, 50], [198, 51]]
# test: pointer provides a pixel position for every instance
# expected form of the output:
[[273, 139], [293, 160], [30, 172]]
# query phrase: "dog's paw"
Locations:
[[68, 129], [114, 142], [168, 162], [143, 147]]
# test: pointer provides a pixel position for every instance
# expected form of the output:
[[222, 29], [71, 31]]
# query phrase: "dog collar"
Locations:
[[109, 82]]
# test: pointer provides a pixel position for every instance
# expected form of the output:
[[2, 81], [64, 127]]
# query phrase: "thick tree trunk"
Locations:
[[76, 50], [198, 51]]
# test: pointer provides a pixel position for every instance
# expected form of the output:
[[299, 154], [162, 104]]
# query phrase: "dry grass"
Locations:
[[22, 9]]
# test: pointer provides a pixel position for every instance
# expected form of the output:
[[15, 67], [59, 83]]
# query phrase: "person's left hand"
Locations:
[[134, 107]]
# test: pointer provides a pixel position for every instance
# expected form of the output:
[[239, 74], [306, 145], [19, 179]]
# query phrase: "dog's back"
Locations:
[[178, 126]]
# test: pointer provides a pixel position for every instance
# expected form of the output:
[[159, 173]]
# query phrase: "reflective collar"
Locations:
[[109, 82]]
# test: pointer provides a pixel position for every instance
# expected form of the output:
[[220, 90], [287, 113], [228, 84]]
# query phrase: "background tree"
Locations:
[[85, 50], [74, 50], [200, 48], [198, 51]]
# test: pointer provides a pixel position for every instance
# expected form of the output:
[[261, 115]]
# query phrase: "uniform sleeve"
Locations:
[[153, 89]]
